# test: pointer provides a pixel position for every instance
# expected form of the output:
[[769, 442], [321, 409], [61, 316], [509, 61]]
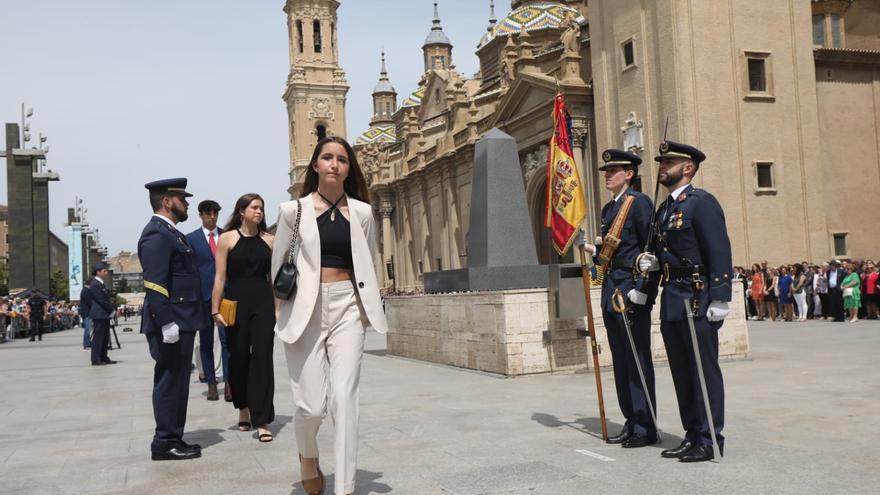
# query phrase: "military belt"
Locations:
[[674, 272], [622, 263]]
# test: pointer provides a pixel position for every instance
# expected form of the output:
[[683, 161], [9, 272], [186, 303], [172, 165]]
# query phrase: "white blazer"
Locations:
[[295, 313]]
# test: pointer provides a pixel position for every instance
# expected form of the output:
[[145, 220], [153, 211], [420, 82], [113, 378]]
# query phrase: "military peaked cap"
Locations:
[[172, 186], [619, 158], [670, 150]]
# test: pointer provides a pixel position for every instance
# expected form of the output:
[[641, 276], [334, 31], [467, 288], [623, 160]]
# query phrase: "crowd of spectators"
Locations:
[[16, 321], [836, 290]]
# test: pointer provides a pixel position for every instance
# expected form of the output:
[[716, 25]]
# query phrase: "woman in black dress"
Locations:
[[244, 257]]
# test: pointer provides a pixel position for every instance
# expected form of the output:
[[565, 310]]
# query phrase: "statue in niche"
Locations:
[[571, 35]]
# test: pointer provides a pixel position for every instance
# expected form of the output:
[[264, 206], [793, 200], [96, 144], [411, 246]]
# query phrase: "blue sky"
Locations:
[[131, 91]]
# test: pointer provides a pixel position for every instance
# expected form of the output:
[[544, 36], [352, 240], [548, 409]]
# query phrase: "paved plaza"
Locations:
[[801, 418]]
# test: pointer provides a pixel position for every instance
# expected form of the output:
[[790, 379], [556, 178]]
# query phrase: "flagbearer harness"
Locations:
[[612, 238]]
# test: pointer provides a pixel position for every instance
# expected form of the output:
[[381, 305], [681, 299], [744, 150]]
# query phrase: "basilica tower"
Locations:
[[316, 87]]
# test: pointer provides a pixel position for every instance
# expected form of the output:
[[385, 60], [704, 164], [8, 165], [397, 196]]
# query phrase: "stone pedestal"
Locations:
[[570, 68], [514, 332]]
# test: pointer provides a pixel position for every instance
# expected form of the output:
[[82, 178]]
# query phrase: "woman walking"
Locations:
[[852, 297], [337, 296], [243, 260]]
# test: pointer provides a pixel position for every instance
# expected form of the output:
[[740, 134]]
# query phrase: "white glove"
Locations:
[[170, 333], [718, 311], [637, 297], [648, 263]]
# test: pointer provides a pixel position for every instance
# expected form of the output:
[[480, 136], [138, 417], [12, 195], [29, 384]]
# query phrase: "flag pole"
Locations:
[[594, 346]]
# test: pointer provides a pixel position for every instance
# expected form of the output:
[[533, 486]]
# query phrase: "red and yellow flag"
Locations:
[[566, 207]]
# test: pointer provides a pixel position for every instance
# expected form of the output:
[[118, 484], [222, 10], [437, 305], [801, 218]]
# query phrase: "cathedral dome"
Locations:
[[384, 86], [380, 133], [535, 17]]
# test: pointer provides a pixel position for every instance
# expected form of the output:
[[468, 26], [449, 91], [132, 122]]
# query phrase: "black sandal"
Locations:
[[244, 426], [265, 437]]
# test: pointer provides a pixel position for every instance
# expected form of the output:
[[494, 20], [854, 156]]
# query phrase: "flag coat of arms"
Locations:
[[566, 207]]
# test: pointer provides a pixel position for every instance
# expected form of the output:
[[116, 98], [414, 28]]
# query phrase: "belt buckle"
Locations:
[[698, 282]]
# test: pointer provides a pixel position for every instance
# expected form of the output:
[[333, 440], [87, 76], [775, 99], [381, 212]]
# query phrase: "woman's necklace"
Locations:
[[332, 204]]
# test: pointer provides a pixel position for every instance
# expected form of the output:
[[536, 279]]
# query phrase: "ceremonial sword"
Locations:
[[652, 227], [619, 304], [690, 319]]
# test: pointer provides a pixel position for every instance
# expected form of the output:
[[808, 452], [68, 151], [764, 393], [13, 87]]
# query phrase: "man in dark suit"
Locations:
[[204, 241], [694, 262], [173, 313], [634, 219], [101, 310], [85, 304], [836, 274]]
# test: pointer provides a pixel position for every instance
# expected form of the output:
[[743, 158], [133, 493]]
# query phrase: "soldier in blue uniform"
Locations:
[[101, 310], [693, 262], [172, 314], [620, 168]]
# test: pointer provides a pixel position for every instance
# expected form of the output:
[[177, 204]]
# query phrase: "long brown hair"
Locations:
[[235, 219], [354, 185]]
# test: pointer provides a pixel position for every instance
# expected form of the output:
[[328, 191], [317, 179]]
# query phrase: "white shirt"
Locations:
[[619, 195], [675, 194], [165, 218], [99, 279]]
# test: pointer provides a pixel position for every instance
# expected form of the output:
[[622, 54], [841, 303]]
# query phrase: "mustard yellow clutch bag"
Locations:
[[228, 308]]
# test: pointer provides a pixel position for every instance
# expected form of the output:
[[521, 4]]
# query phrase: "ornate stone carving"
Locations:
[[632, 133], [534, 162], [321, 109]]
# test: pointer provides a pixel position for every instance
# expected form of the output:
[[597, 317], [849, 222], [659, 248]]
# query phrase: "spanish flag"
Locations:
[[566, 207]]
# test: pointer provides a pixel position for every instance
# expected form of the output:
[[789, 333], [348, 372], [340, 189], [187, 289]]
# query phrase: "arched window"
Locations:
[[299, 34], [321, 131], [316, 29]]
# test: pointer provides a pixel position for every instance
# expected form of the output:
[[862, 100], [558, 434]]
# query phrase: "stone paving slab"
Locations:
[[801, 415]]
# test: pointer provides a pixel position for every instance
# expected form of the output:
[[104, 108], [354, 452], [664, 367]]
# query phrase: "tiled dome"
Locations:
[[535, 17], [382, 133], [415, 99]]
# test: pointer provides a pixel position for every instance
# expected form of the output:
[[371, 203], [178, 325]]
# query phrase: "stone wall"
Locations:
[[511, 332]]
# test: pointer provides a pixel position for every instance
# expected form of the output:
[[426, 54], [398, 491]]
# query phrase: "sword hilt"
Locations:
[[618, 301]]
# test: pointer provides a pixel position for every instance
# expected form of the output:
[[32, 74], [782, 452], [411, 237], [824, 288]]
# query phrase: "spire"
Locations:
[[437, 36], [384, 85], [492, 19]]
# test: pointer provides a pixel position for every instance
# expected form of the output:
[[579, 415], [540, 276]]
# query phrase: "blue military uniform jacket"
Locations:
[[101, 307], [633, 239], [692, 233], [171, 279]]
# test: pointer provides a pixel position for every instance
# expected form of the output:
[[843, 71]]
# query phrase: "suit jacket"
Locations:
[[296, 312], [633, 239], [172, 284], [692, 231], [841, 274], [85, 301], [204, 260], [101, 307]]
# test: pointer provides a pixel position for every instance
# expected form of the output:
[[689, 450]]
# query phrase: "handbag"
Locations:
[[848, 292], [228, 309], [284, 284]]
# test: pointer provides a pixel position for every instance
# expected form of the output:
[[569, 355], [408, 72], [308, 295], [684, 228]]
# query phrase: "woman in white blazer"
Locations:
[[323, 324]]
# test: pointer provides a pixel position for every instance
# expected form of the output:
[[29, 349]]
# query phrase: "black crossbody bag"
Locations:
[[285, 280]]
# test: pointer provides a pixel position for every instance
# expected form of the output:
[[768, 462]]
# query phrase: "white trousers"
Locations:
[[801, 300], [325, 363]]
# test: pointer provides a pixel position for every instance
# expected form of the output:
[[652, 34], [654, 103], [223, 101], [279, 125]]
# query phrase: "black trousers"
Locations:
[[251, 372], [100, 339], [170, 387], [835, 303], [682, 363], [36, 329], [631, 396]]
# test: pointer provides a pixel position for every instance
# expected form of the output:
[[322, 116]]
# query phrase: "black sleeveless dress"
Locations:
[[251, 339]]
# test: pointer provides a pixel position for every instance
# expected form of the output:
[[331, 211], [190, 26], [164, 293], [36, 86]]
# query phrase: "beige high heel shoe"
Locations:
[[314, 486]]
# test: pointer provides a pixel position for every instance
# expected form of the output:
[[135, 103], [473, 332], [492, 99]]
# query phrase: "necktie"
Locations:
[[212, 244]]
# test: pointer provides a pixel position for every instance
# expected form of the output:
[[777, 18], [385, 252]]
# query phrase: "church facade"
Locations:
[[789, 118]]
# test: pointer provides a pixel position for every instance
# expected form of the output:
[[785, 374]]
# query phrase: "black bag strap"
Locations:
[[294, 235]]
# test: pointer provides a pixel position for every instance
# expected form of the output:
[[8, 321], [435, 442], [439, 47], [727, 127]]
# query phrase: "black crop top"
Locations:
[[335, 241]]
